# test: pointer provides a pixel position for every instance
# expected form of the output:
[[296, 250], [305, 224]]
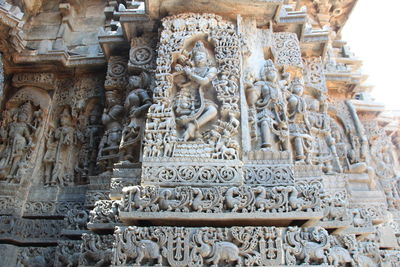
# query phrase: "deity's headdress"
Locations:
[[269, 66], [297, 81], [199, 47], [26, 109], [112, 94]]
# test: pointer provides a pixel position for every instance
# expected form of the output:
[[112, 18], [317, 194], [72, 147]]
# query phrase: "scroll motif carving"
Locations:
[[105, 211]]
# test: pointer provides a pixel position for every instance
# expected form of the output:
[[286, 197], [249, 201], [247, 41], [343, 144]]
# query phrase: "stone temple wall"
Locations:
[[191, 133]]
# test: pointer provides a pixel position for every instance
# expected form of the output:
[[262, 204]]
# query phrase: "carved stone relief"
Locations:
[[193, 139]]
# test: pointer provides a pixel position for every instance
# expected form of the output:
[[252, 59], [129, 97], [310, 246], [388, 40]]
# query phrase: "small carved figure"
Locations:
[[134, 193], [92, 137], [49, 157], [311, 247], [231, 199]]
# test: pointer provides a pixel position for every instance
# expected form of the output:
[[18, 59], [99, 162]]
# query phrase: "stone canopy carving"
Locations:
[[192, 139]]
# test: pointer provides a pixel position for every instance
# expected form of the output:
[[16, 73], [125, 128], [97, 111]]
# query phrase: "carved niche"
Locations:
[[196, 103]]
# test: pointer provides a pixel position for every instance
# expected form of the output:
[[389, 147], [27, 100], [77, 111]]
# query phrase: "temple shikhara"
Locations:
[[191, 133]]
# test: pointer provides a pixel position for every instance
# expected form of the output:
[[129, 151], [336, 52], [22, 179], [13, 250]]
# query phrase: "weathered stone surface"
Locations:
[[191, 133]]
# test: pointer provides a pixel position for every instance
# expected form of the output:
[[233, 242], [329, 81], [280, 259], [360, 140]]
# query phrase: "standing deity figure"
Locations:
[[66, 139], [112, 118], [192, 109], [299, 126], [20, 140], [92, 137], [136, 104], [49, 157], [271, 107]]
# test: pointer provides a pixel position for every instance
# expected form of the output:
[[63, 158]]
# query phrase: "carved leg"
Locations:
[[190, 131], [139, 257], [47, 173], [285, 143], [159, 261], [99, 263], [209, 114], [307, 258], [265, 135], [14, 166], [298, 144]]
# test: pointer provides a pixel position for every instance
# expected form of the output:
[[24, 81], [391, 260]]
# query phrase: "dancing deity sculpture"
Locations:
[[192, 109]]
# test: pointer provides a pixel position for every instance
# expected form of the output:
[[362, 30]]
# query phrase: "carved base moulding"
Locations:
[[234, 246]]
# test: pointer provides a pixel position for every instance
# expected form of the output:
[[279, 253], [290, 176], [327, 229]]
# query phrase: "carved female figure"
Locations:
[[299, 126], [112, 117], [191, 108], [20, 135], [271, 107], [50, 156], [65, 136]]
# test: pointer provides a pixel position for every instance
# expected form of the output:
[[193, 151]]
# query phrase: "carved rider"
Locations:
[[191, 108]]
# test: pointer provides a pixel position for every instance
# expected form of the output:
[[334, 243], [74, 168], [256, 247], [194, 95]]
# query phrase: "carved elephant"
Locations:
[[338, 256], [36, 261], [222, 251], [147, 249]]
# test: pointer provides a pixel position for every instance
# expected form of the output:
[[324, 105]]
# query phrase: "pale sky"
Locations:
[[372, 32]]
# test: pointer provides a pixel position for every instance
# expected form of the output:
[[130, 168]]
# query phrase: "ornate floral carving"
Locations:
[[268, 175], [105, 211], [50, 208], [314, 74], [287, 49], [195, 173]]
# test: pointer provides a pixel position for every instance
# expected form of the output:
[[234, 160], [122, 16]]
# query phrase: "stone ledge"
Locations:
[[203, 219]]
